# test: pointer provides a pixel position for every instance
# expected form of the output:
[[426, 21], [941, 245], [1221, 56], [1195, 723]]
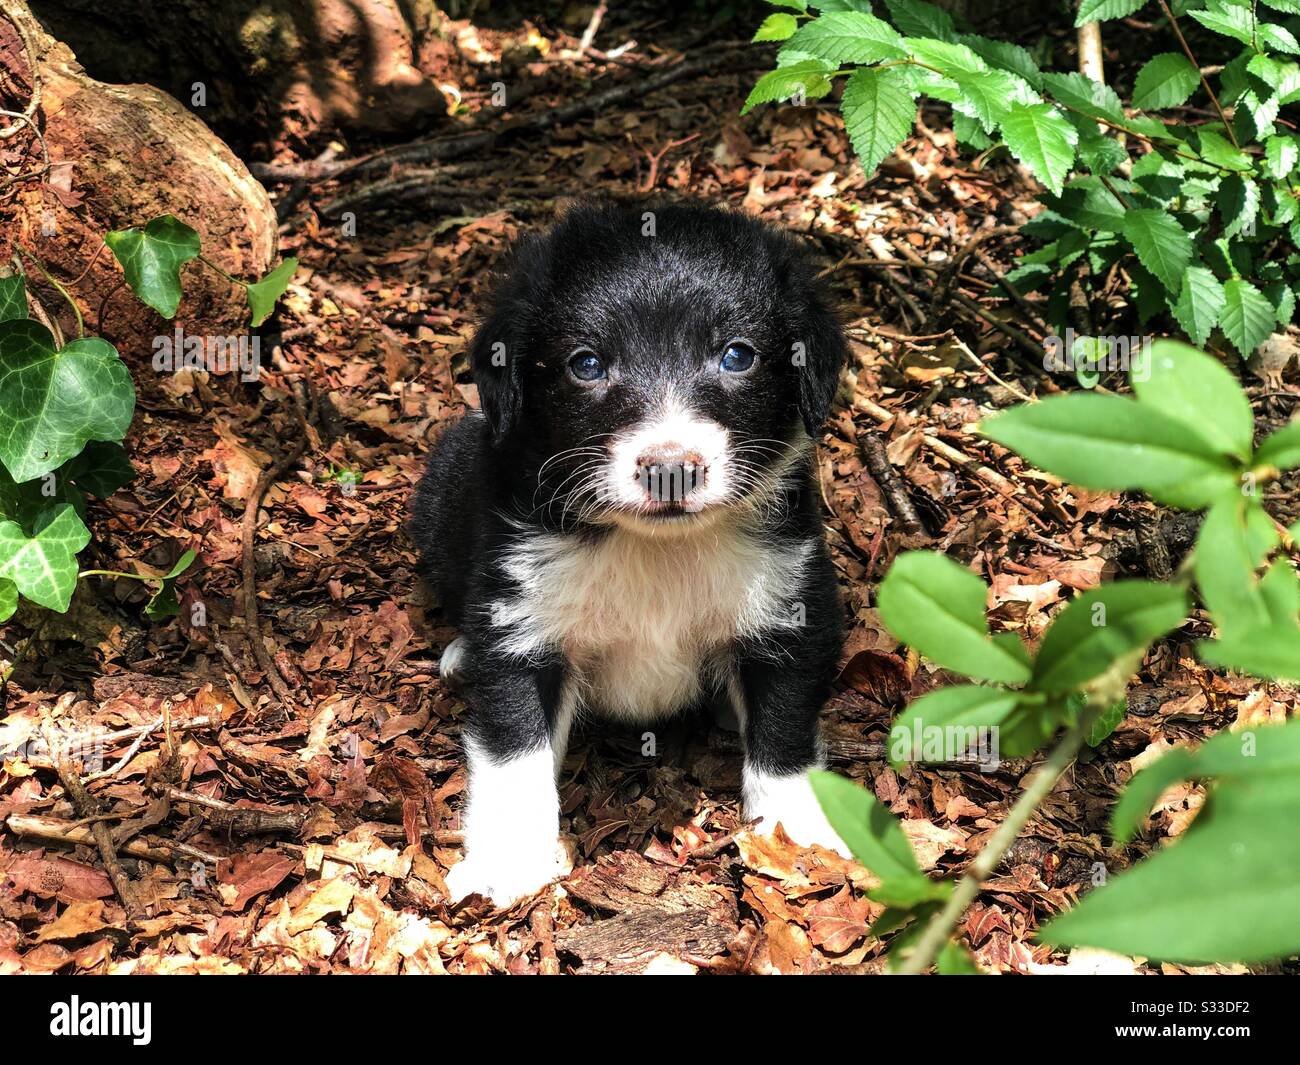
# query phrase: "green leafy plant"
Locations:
[[1200, 216], [64, 411], [1229, 888]]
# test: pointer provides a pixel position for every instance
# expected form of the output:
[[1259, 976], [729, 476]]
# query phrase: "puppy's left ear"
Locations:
[[496, 371], [818, 354]]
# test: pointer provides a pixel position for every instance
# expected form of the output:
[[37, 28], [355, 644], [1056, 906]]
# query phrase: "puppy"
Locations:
[[630, 526]]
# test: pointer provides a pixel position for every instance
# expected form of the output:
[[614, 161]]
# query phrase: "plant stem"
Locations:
[[213, 266], [935, 936], [81, 325], [115, 573], [1173, 23]]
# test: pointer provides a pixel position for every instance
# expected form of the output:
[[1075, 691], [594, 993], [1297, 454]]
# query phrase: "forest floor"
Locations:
[[303, 821]]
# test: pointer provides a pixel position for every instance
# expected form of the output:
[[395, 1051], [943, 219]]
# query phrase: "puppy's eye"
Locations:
[[586, 366], [737, 358]]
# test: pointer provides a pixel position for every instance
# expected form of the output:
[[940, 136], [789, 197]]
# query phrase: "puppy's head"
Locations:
[[656, 368]]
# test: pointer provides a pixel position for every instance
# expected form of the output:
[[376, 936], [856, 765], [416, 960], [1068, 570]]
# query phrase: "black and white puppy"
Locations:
[[631, 526]]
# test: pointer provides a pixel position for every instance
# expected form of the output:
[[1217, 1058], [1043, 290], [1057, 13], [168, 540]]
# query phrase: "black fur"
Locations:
[[659, 309]]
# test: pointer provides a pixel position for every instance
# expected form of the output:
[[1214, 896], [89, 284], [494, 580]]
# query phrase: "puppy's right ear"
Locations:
[[496, 372]]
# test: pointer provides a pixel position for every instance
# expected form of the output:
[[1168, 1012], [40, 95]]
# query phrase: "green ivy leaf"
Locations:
[[1105, 10], [163, 603], [13, 298], [1114, 442], [933, 604], [1196, 388], [1039, 137], [1247, 317], [878, 112], [8, 599], [1103, 627], [53, 402], [1168, 80], [1282, 448], [875, 838], [262, 295], [101, 469], [849, 37], [44, 566], [962, 708], [776, 27], [808, 77], [1162, 245], [152, 258], [1199, 304]]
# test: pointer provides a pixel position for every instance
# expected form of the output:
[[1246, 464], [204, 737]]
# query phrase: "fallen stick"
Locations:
[[891, 485], [151, 848]]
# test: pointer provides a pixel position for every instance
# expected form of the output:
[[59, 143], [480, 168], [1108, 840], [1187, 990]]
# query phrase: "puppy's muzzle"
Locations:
[[670, 475]]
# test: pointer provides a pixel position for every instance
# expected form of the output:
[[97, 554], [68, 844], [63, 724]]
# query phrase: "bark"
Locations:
[[119, 156], [266, 69]]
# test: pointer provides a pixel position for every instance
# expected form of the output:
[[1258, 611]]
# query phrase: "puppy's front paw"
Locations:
[[506, 875], [790, 802]]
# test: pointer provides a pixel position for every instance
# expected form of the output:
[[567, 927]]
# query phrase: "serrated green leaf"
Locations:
[[1229, 20], [1199, 303], [13, 298], [933, 604], [917, 19], [1102, 627], [807, 77], [849, 37], [1196, 388], [1042, 140], [1115, 442], [1105, 10], [263, 295], [878, 114], [1005, 56], [1281, 155], [875, 838], [44, 566], [1086, 96], [1282, 448], [1247, 317], [1089, 203], [1238, 204], [959, 711], [152, 258], [1162, 245], [776, 27], [53, 402], [1168, 80]]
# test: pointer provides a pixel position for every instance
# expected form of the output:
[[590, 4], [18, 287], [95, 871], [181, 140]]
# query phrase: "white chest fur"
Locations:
[[642, 619]]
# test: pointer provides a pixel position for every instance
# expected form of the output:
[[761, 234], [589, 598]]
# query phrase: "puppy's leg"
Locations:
[[778, 706], [515, 744]]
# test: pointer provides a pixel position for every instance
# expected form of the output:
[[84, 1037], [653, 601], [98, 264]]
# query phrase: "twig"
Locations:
[[543, 928], [249, 536], [891, 485], [589, 34], [941, 925], [1173, 24], [86, 807], [131, 751]]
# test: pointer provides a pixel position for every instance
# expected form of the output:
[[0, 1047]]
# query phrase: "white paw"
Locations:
[[790, 802], [505, 876], [453, 658]]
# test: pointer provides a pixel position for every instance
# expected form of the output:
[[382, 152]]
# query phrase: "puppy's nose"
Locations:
[[669, 474]]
